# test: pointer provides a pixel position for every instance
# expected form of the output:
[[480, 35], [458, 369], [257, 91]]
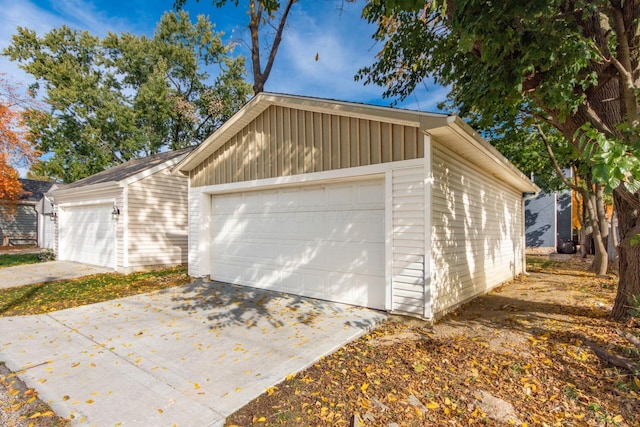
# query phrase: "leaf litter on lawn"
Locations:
[[518, 356]]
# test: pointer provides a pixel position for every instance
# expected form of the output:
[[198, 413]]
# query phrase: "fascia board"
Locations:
[[69, 194], [148, 172], [470, 135]]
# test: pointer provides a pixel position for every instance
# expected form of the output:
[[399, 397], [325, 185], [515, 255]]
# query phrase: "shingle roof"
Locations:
[[127, 169], [34, 190]]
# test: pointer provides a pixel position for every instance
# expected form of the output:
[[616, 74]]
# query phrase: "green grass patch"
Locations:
[[540, 263], [9, 260], [53, 296]]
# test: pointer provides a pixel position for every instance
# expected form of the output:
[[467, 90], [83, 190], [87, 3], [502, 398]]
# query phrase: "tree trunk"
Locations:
[[614, 237], [256, 11], [602, 215], [600, 260], [628, 256], [586, 248]]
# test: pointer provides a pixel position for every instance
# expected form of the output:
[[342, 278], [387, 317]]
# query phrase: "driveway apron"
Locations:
[[185, 356], [51, 271]]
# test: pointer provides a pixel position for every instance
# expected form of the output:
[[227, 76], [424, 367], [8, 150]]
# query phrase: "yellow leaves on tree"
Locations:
[[16, 147]]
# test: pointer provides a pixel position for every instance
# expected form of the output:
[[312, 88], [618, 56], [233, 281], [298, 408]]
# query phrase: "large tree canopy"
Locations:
[[573, 65], [125, 96]]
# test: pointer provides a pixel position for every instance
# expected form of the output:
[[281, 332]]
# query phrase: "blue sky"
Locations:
[[331, 28]]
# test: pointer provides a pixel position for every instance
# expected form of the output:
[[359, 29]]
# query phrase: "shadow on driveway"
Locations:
[[189, 355], [229, 305]]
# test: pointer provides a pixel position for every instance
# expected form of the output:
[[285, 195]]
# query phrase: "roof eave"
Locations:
[[80, 191], [472, 136], [150, 171]]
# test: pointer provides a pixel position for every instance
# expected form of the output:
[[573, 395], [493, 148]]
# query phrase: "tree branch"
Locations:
[[556, 165], [276, 41], [630, 198], [615, 360], [629, 337], [586, 197], [624, 66], [254, 27]]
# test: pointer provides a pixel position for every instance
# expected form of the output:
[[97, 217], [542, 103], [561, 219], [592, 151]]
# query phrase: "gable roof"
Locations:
[[450, 130], [33, 189], [128, 169]]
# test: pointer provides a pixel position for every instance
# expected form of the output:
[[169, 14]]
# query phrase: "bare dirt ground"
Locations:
[[518, 356]]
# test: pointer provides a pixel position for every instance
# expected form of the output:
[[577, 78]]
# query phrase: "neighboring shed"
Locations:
[[392, 209], [548, 222], [20, 221], [130, 217]]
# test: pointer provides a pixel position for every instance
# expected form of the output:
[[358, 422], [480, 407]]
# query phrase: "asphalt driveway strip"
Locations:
[[184, 356]]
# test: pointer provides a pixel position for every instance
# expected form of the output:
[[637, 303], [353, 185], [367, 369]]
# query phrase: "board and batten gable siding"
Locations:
[[408, 240], [477, 230], [157, 221], [284, 141]]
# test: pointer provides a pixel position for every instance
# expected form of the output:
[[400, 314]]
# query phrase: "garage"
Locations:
[[88, 235], [321, 241], [131, 217], [405, 211]]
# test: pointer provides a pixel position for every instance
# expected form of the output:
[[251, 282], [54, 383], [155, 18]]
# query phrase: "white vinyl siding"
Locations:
[[195, 237], [476, 230], [157, 221], [408, 245], [120, 225], [46, 232]]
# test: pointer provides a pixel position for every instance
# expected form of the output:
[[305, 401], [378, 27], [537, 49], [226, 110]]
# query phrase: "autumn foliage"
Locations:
[[15, 146]]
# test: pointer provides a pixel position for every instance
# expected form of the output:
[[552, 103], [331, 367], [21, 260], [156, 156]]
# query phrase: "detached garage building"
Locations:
[[130, 217], [397, 210]]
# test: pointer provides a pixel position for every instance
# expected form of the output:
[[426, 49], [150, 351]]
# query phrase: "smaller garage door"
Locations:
[[321, 241], [87, 234]]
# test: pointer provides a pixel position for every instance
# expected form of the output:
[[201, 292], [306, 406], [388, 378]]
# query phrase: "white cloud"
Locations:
[[342, 40], [83, 15], [338, 39], [16, 14], [77, 14]]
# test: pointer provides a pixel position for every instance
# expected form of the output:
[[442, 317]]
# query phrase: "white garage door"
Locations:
[[87, 234], [320, 241]]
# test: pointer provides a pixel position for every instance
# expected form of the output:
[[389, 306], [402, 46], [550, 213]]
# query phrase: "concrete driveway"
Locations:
[[50, 271], [185, 356]]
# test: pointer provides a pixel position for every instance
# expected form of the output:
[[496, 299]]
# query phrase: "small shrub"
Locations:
[[46, 255]]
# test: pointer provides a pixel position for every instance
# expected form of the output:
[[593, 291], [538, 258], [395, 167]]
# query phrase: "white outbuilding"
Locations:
[[130, 217], [397, 210]]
